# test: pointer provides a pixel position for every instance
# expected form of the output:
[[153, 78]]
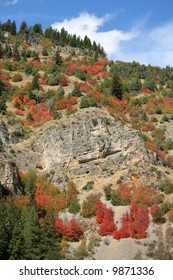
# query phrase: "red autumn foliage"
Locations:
[[134, 224], [147, 91], [25, 99], [105, 217], [152, 147], [21, 201], [83, 86], [154, 208], [62, 103], [35, 63], [170, 215], [4, 77], [39, 113], [19, 112], [71, 231], [157, 214], [17, 100], [43, 81], [63, 81]]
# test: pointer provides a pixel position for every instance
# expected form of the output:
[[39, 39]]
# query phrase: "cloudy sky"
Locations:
[[127, 29]]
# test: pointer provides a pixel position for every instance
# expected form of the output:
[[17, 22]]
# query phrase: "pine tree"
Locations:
[[13, 28], [16, 53], [116, 86], [35, 82], [3, 231], [58, 59], [31, 233], [1, 51], [23, 28], [49, 243]]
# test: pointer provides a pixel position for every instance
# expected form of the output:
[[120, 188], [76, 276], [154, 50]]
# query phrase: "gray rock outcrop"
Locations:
[[86, 142]]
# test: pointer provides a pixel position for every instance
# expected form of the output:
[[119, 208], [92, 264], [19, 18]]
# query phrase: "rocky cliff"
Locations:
[[83, 143], [9, 181]]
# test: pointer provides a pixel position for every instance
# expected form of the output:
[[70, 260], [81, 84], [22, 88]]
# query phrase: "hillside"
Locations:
[[86, 150]]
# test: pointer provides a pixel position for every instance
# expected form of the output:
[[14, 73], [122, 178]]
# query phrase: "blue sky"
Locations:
[[127, 29]]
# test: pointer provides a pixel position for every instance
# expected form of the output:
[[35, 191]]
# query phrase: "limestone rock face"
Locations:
[[9, 182], [4, 135], [86, 142]]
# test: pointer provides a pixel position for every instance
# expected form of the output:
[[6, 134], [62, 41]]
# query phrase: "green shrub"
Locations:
[[17, 77], [60, 92], [167, 187], [166, 206], [84, 102], [165, 118], [158, 111], [169, 144], [108, 192], [89, 186], [76, 92], [74, 207]]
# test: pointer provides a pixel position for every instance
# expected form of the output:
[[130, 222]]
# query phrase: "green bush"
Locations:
[[167, 187], [158, 111], [165, 118], [108, 192], [87, 102], [74, 207], [169, 144], [76, 92], [89, 186]]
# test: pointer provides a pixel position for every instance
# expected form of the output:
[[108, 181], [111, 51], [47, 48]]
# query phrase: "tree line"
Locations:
[[59, 37]]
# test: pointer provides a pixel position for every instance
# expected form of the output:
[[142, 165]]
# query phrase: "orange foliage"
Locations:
[[152, 147], [17, 100], [19, 112], [124, 192], [40, 114], [170, 215], [20, 201], [63, 103], [63, 81], [145, 195]]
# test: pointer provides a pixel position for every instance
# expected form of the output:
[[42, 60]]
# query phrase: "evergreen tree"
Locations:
[[31, 233], [58, 59], [23, 28], [1, 51], [37, 28], [86, 43], [8, 51], [16, 239], [3, 105], [48, 32], [13, 28], [35, 82], [16, 53], [49, 243], [28, 182], [3, 231], [116, 86]]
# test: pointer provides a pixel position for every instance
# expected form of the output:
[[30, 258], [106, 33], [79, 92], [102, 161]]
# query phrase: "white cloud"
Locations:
[[88, 24], [8, 2], [152, 46]]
